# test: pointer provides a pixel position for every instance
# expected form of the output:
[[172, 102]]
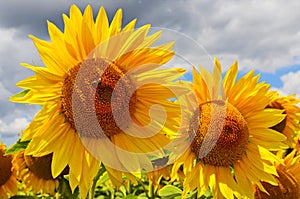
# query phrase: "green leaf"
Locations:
[[65, 190], [207, 195], [19, 146], [142, 196], [130, 197], [192, 195], [177, 197], [101, 197], [103, 178], [122, 189], [20, 94], [170, 190]]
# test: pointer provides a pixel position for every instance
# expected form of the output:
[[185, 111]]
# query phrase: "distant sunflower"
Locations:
[[104, 56], [288, 180], [161, 172], [229, 134], [296, 144], [290, 125], [8, 181], [35, 173]]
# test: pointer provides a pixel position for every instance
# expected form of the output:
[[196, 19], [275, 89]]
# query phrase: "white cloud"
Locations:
[[16, 120], [10, 131], [263, 35], [4, 93], [13, 128], [291, 83], [13, 50], [260, 35], [5, 106]]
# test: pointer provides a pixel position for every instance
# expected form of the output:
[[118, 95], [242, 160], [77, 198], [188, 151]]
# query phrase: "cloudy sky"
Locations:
[[261, 35]]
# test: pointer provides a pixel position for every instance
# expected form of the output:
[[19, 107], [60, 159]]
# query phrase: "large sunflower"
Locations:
[[96, 71], [288, 180], [290, 125], [8, 181], [229, 135], [35, 173]]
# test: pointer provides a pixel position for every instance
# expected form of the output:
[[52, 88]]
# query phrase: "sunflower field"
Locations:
[[116, 123]]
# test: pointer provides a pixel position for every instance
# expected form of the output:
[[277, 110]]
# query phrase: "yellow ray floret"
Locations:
[[97, 67], [230, 136]]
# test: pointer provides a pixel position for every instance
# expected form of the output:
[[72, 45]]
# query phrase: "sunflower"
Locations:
[[229, 135], [290, 125], [296, 144], [8, 181], [97, 92], [161, 172], [288, 180], [35, 173]]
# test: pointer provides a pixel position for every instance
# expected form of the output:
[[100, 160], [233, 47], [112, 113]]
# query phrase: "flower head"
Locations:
[[8, 181], [229, 134], [290, 125], [288, 180], [97, 90], [35, 173]]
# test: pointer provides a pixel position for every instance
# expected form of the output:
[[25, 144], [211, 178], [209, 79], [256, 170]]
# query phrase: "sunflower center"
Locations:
[[41, 166], [101, 89], [287, 188], [5, 167], [222, 122]]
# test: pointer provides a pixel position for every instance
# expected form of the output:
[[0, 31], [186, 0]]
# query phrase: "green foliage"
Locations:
[[104, 190], [19, 146], [170, 191], [20, 94], [65, 191]]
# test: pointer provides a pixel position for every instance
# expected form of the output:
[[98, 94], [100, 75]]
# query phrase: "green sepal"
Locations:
[[19, 146]]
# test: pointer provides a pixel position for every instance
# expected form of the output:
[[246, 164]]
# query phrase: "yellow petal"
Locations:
[[101, 30], [116, 23]]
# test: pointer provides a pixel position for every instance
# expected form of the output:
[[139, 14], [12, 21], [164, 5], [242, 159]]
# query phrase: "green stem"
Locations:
[[57, 196], [92, 190], [129, 187], [145, 190], [151, 190]]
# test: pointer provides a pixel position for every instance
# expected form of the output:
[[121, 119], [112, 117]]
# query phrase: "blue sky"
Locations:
[[273, 78], [261, 35]]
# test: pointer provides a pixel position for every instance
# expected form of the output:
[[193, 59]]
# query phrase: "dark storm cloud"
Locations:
[[30, 16]]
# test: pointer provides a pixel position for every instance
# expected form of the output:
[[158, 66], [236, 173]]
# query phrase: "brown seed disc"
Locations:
[[95, 92], [5, 167], [41, 166], [232, 131]]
